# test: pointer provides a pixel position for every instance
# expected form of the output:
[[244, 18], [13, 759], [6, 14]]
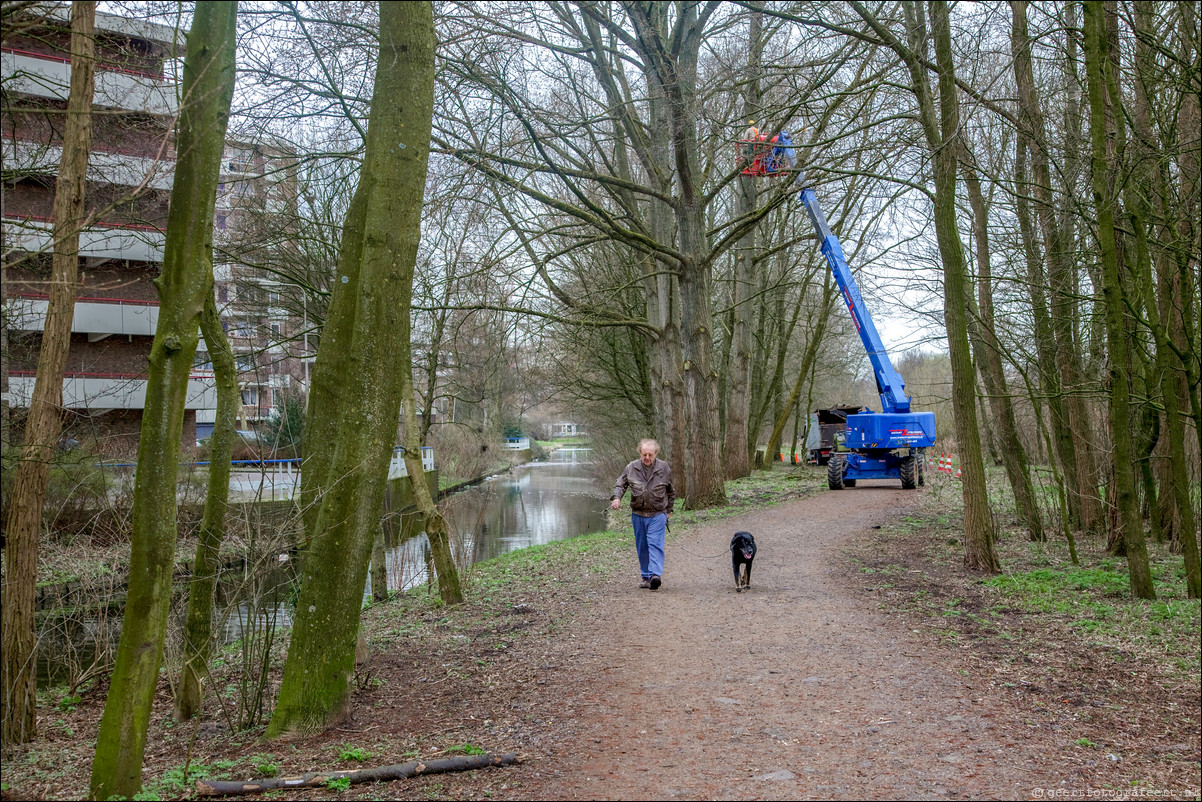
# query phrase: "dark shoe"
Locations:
[[655, 583], [646, 583]]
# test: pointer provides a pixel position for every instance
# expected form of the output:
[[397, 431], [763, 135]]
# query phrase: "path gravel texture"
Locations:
[[799, 687]]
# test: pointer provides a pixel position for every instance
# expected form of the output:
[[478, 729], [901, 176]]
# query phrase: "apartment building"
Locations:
[[263, 312], [130, 175]]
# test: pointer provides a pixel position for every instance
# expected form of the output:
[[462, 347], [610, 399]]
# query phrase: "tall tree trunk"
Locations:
[[1099, 77], [379, 561], [1045, 356], [705, 487], [772, 319], [663, 302], [989, 363], [1060, 272], [808, 360], [18, 665], [368, 310], [184, 286], [940, 128], [737, 452], [435, 525], [674, 70], [1187, 242], [1150, 181], [979, 554], [198, 626]]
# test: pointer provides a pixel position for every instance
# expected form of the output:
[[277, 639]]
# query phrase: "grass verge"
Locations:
[[1064, 647]]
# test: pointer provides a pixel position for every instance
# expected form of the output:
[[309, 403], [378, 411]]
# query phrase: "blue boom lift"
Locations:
[[889, 444], [892, 443]]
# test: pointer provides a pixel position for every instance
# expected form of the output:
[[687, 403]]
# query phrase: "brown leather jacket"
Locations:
[[651, 490]]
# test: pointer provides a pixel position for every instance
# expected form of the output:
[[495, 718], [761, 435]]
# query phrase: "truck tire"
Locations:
[[909, 472], [834, 472]]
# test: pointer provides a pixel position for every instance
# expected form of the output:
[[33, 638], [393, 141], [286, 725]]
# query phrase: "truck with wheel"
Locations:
[[825, 426]]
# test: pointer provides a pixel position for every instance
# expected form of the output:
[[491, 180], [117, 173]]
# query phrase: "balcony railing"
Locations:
[[104, 166], [517, 443], [397, 469], [100, 65], [96, 317], [49, 76], [101, 391], [138, 243]]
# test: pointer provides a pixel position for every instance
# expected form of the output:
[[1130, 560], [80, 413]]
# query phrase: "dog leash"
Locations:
[[703, 556], [668, 528]]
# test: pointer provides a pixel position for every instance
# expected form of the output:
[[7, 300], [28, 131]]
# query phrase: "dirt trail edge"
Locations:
[[797, 688]]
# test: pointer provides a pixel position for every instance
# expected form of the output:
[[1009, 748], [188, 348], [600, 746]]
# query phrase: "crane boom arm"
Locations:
[[889, 382]]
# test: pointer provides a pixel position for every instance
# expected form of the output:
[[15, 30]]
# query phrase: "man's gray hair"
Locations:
[[647, 441]]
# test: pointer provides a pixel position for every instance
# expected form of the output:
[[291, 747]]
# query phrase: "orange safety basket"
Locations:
[[761, 157]]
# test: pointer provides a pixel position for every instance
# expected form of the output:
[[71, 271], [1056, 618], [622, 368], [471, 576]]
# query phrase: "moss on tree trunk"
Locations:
[[1098, 73], [979, 554], [185, 284], [357, 379], [988, 356], [198, 626]]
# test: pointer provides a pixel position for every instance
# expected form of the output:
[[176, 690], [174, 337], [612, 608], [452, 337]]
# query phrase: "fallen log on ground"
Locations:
[[319, 779]]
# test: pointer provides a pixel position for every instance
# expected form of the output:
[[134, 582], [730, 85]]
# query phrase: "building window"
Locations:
[[221, 221], [250, 397]]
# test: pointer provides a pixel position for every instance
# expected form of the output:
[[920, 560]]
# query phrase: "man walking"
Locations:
[[651, 500]]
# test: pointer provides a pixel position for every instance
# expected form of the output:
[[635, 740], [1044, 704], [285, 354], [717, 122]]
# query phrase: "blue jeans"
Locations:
[[649, 540]]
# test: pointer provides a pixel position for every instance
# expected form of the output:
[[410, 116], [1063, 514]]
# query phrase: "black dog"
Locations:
[[742, 552]]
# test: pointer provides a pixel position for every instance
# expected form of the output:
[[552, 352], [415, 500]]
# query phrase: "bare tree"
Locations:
[[185, 285], [940, 128], [1101, 82], [357, 387], [18, 675]]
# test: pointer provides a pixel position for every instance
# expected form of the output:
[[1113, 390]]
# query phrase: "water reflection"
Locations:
[[533, 504], [540, 502]]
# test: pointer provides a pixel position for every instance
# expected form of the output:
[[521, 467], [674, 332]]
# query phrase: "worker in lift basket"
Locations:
[[750, 137]]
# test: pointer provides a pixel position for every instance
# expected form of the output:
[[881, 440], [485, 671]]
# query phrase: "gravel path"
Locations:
[[797, 688]]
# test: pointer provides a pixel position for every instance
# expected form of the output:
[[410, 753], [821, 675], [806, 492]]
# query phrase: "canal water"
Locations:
[[536, 503], [532, 504]]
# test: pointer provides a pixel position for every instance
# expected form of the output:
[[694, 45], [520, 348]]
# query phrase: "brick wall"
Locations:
[[128, 281], [119, 354], [113, 50], [35, 197], [41, 122]]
